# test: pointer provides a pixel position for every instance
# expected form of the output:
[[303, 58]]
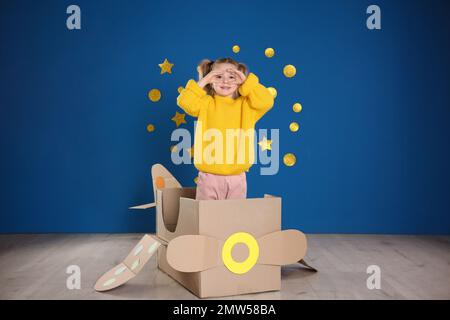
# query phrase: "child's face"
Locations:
[[224, 84]]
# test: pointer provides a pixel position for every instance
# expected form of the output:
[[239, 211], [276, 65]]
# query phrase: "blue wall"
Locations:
[[373, 148]]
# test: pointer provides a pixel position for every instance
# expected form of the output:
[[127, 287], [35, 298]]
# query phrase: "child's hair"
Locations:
[[206, 65]]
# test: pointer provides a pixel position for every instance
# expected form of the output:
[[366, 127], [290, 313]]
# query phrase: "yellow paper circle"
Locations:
[[289, 70], [297, 107], [294, 126], [289, 159], [150, 128], [236, 49], [269, 52], [273, 91], [253, 252], [154, 95], [180, 88]]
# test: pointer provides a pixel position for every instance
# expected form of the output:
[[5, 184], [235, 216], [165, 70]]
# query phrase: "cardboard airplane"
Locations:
[[212, 247]]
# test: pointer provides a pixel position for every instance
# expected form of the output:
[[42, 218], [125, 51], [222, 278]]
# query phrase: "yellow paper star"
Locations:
[[166, 66], [179, 118], [265, 144]]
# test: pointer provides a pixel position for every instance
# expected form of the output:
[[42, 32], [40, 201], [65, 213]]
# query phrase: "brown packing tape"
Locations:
[[131, 266]]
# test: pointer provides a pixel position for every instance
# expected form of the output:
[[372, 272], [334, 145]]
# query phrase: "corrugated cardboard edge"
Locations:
[[187, 222]]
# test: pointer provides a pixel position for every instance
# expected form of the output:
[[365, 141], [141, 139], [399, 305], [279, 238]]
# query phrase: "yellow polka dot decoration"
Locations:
[[294, 126], [253, 252], [297, 107], [269, 52], [150, 128], [273, 91], [236, 49], [154, 95], [289, 159], [289, 71]]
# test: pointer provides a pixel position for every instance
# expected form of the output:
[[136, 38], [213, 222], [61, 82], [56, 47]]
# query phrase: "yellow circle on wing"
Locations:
[[236, 49], [253, 252], [269, 52], [180, 88], [294, 126], [154, 95], [273, 91], [289, 70], [297, 107], [289, 159], [150, 128]]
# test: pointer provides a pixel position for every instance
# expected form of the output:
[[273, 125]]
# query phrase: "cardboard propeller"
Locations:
[[194, 253]]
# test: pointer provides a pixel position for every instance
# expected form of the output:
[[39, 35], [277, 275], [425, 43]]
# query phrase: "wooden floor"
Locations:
[[412, 267]]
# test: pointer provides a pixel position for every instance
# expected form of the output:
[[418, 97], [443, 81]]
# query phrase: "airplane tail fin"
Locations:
[[161, 178]]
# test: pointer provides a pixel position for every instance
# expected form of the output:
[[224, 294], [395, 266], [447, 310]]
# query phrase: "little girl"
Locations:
[[225, 97]]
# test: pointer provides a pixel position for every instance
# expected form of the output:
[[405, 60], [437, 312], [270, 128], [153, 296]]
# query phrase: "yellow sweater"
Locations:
[[214, 151]]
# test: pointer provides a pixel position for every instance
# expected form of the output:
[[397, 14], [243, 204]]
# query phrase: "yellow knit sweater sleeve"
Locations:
[[193, 98], [259, 97]]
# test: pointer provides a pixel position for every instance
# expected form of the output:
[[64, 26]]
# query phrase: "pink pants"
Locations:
[[218, 187]]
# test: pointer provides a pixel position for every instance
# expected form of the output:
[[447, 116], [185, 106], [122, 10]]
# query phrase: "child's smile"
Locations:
[[225, 84]]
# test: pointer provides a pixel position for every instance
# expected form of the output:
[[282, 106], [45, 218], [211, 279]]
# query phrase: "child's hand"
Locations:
[[239, 77], [211, 77]]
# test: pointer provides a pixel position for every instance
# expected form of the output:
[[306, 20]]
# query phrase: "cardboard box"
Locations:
[[178, 213], [212, 247]]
